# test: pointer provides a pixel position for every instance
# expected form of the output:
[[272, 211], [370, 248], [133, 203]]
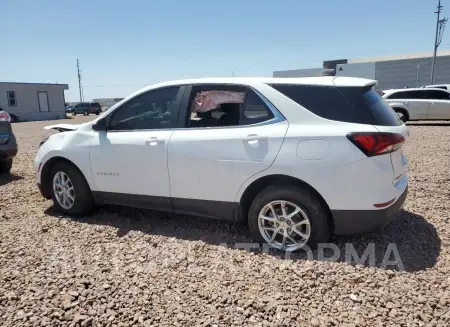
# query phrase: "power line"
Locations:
[[440, 26], [79, 80]]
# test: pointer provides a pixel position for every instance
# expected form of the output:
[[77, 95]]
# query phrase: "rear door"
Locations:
[[439, 104], [414, 101], [207, 165]]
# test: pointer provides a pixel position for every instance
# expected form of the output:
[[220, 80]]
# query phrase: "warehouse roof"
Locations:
[[440, 53]]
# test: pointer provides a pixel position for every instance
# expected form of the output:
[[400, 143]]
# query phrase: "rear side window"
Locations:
[[346, 104], [326, 102], [408, 95], [436, 95]]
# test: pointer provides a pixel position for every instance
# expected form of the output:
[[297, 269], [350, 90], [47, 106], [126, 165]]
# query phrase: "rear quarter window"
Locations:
[[324, 101], [367, 99], [345, 104]]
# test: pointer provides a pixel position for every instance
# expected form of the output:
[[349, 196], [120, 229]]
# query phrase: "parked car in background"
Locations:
[[296, 158], [86, 108], [8, 145], [419, 103]]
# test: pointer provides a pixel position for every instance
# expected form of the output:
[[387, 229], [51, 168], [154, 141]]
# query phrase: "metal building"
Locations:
[[393, 71], [33, 101]]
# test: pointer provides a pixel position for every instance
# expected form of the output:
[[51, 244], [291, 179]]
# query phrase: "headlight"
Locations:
[[43, 141]]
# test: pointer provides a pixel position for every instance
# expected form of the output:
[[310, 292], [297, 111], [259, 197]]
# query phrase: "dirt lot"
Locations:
[[124, 267]]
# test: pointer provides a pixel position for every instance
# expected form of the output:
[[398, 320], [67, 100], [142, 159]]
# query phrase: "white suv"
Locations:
[[419, 103], [297, 159]]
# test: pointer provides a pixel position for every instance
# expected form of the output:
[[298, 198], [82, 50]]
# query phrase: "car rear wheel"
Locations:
[[288, 218], [85, 113], [5, 166], [402, 114], [70, 191]]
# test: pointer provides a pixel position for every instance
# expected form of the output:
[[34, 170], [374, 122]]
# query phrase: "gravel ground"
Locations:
[[124, 267]]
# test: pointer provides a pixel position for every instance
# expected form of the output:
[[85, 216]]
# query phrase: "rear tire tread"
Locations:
[[317, 214]]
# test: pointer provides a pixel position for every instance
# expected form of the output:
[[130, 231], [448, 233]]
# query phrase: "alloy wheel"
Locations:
[[284, 225], [63, 190]]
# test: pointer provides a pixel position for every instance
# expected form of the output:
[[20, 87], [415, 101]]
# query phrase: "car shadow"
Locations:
[[409, 238], [8, 178], [446, 124]]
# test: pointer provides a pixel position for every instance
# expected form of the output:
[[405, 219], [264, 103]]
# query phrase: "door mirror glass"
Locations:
[[100, 125]]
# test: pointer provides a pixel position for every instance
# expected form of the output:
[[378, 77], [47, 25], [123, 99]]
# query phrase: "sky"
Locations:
[[125, 45]]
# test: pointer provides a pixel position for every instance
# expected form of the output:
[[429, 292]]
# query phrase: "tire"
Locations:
[[403, 114], [5, 166], [311, 210], [74, 113], [85, 113], [83, 202], [97, 113]]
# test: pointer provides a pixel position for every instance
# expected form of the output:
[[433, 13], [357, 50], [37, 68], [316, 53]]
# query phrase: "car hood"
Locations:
[[63, 127]]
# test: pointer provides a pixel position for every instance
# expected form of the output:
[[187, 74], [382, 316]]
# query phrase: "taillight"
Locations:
[[374, 144], [4, 116]]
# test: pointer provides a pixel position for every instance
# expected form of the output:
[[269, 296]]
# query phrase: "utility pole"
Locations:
[[79, 80], [440, 26], [232, 72]]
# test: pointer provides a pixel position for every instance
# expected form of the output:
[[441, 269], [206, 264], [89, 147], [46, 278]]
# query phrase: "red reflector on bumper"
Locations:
[[384, 204]]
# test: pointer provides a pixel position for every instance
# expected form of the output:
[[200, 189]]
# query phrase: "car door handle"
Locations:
[[153, 141], [254, 137]]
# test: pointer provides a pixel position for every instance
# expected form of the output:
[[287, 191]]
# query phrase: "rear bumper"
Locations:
[[355, 222]]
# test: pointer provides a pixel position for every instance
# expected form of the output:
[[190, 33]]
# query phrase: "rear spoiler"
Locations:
[[63, 127], [354, 81]]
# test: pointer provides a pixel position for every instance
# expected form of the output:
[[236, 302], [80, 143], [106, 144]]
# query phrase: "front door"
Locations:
[[208, 165], [129, 160], [43, 101]]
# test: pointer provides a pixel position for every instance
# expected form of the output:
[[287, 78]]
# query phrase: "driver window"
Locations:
[[156, 109]]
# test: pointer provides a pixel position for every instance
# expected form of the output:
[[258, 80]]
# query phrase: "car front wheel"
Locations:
[[288, 218], [70, 191]]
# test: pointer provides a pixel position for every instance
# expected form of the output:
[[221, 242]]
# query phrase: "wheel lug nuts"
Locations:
[[281, 231], [289, 230], [277, 224], [281, 219]]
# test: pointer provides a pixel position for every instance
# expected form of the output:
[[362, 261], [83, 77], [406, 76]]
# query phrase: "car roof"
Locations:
[[413, 89], [322, 80], [434, 85]]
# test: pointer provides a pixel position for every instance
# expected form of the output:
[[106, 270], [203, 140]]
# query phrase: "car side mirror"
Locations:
[[100, 125]]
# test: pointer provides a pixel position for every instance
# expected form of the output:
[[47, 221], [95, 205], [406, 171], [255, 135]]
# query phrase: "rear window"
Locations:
[[346, 104]]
